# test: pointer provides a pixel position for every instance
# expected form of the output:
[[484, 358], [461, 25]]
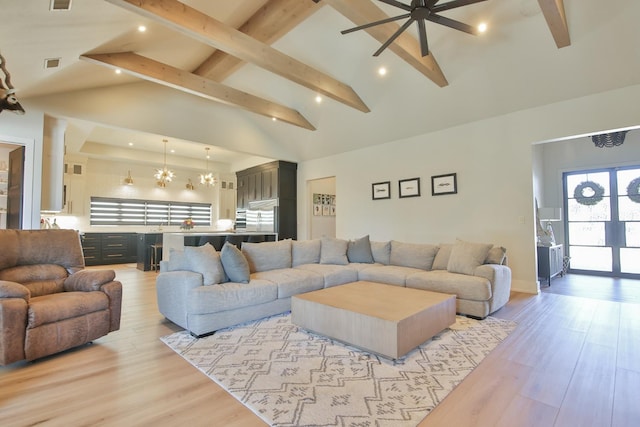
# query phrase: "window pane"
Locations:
[[589, 258], [598, 212], [632, 235], [629, 260], [586, 233]]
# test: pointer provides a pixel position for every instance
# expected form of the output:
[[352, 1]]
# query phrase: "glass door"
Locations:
[[602, 224]]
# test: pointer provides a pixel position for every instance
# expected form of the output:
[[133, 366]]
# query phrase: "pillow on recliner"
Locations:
[[206, 261], [235, 264]]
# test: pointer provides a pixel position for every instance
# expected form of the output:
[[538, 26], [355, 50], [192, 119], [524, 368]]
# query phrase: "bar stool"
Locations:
[[156, 256], [234, 239]]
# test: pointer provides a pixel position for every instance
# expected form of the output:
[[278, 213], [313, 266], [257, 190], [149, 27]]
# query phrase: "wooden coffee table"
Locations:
[[383, 319]]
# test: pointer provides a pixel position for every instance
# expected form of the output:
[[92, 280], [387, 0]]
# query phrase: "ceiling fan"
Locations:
[[421, 11]]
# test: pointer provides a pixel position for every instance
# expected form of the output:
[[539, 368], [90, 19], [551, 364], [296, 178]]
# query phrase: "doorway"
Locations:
[[602, 225], [322, 207]]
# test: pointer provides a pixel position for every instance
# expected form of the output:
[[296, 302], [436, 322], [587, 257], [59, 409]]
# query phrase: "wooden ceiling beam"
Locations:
[[206, 29], [186, 81], [272, 21], [407, 47], [553, 11]]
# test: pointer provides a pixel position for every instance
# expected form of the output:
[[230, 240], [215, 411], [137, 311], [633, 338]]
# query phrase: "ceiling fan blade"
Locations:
[[373, 24], [422, 32], [453, 4], [397, 4], [430, 3], [452, 23], [393, 37]]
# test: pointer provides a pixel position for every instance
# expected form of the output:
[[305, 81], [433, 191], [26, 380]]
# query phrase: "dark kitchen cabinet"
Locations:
[[109, 248]]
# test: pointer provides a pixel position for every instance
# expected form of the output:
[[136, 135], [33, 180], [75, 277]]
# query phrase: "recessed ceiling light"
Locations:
[[118, 70], [482, 27], [318, 99], [273, 119], [382, 71], [142, 28], [172, 151], [131, 144]]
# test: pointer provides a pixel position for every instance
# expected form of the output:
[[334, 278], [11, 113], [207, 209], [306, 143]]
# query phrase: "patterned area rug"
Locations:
[[289, 377]]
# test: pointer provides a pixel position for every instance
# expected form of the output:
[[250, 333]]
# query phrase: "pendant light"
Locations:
[[128, 180], [164, 175], [207, 179]]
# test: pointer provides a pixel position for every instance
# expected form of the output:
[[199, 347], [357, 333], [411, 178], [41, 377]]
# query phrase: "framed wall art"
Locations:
[[409, 187], [381, 190], [444, 184]]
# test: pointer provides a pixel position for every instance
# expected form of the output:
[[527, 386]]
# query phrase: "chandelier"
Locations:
[[207, 179], [164, 175], [612, 139]]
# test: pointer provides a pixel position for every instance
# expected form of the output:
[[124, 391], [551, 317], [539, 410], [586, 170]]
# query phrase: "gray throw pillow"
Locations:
[[333, 251], [496, 255], [267, 256], [206, 261], [359, 250], [381, 252], [466, 256], [234, 263], [442, 257], [177, 260], [305, 252]]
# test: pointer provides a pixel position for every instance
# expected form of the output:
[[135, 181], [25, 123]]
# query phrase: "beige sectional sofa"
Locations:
[[203, 290]]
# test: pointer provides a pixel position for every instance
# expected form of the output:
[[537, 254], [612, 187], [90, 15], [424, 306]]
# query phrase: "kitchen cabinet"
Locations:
[[274, 180], [74, 177], [109, 248]]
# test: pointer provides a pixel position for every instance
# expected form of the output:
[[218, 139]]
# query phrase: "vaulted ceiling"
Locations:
[[239, 64]]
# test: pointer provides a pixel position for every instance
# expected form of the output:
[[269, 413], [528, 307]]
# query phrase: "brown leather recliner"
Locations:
[[48, 301]]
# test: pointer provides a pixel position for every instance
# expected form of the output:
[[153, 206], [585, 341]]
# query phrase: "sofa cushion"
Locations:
[[305, 252], [88, 280], [415, 255], [389, 274], [441, 260], [333, 251], [463, 286], [230, 295], [359, 250], [206, 261], [466, 256], [65, 305], [381, 252], [333, 275], [40, 279], [496, 255], [267, 256], [234, 263], [291, 281]]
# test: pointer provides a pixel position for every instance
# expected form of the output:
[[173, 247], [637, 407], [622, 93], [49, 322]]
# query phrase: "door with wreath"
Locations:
[[602, 223]]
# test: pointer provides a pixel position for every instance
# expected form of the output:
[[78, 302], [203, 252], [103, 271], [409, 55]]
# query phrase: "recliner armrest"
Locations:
[[14, 290], [88, 280]]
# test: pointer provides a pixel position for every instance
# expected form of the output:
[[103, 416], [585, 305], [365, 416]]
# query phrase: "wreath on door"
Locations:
[[633, 190], [589, 193]]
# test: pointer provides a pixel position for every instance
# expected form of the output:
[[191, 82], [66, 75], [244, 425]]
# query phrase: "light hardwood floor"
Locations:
[[570, 362]]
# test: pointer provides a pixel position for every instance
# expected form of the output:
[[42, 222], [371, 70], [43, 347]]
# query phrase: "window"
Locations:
[[109, 211]]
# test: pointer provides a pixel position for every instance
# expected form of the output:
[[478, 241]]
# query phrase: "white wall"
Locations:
[[494, 162]]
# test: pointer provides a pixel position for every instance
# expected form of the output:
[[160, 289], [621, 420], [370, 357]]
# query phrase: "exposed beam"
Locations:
[[553, 11], [272, 21], [407, 47], [166, 75], [206, 29]]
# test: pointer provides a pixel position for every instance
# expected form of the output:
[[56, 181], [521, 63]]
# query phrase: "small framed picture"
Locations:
[[381, 190], [409, 187], [444, 184]]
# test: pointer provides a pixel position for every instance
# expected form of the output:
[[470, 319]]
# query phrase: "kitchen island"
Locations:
[[178, 240]]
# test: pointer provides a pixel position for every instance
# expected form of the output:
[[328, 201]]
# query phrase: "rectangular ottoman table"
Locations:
[[383, 319]]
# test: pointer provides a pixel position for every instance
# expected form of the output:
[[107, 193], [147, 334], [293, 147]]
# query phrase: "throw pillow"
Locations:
[[177, 260], [305, 252], [415, 255], [359, 250], [234, 263], [267, 256], [206, 261], [496, 255], [466, 256], [333, 251], [442, 257], [381, 252]]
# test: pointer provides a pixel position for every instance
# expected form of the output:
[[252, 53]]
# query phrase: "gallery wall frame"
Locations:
[[444, 184], [409, 187], [381, 190]]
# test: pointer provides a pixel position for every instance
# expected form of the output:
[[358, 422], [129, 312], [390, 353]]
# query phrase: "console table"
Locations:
[[550, 262]]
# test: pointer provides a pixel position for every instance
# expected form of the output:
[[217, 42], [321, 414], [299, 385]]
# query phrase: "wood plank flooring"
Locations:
[[571, 362]]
